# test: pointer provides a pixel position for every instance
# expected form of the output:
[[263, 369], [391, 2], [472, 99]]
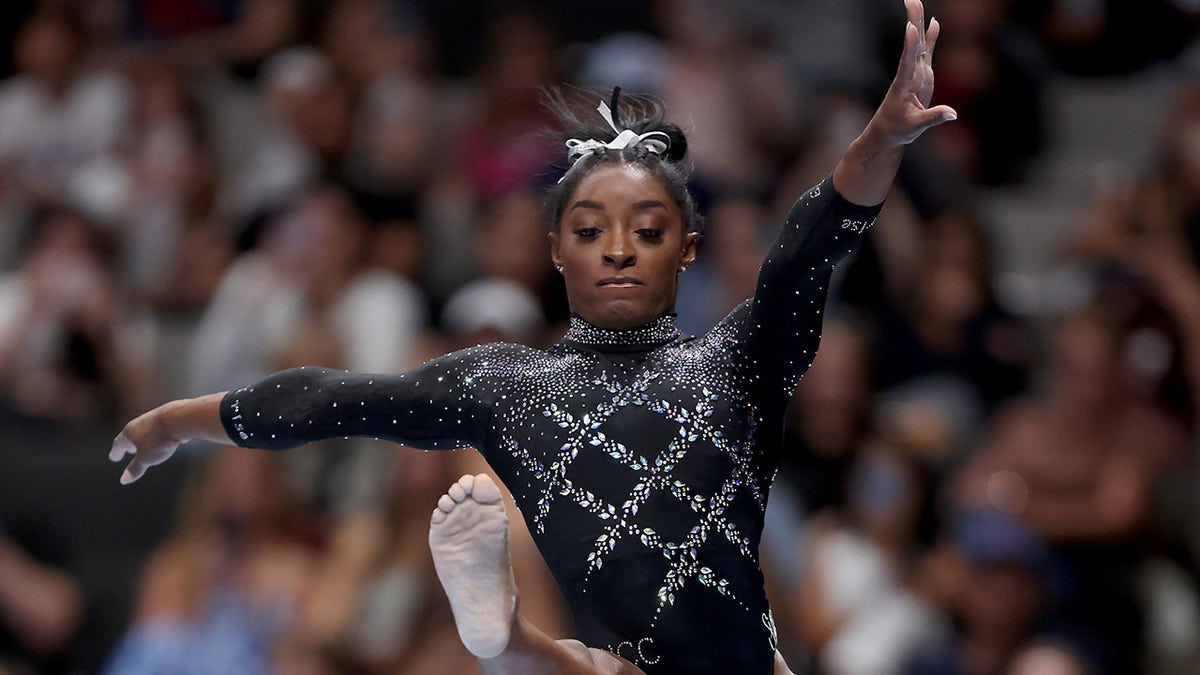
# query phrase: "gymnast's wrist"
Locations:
[[875, 143], [192, 419]]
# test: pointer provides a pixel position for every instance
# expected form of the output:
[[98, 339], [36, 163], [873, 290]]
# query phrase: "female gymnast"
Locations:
[[640, 457]]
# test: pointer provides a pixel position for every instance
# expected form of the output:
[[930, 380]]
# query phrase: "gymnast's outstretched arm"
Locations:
[[444, 403]]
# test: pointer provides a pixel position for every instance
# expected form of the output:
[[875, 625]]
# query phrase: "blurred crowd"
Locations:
[[195, 193]]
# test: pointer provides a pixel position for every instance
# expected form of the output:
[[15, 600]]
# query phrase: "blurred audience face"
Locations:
[[884, 495], [241, 492], [1182, 144], [365, 39], [954, 277], [520, 61], [321, 238], [1085, 363], [1000, 601], [166, 152], [399, 140], [511, 240], [47, 48], [835, 391], [700, 25], [65, 265], [304, 89], [1046, 659], [399, 246], [736, 244], [969, 19]]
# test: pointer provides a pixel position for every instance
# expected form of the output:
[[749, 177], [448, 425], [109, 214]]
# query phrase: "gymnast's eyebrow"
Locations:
[[587, 204], [648, 204]]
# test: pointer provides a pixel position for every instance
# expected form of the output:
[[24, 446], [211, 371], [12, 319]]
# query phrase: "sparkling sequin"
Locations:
[[660, 330]]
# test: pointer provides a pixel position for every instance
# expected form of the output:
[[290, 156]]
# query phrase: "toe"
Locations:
[[437, 517], [467, 482], [446, 503], [486, 490], [457, 493]]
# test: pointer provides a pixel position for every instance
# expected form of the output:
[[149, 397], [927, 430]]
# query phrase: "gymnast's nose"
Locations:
[[618, 248]]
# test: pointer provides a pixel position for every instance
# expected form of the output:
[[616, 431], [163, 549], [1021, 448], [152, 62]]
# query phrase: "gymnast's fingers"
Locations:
[[135, 470], [121, 447], [916, 16], [933, 117], [931, 36], [909, 57]]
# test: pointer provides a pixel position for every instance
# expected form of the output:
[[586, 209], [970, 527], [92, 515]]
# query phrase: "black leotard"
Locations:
[[640, 459]]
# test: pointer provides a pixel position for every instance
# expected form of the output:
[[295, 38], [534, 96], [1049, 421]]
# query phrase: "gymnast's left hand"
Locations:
[[151, 438], [904, 113]]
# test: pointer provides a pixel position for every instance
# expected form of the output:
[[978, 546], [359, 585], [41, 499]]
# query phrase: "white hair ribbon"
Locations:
[[655, 141]]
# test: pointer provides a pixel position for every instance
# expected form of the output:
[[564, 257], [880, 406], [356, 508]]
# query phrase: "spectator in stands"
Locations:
[[736, 94], [1047, 656], [996, 577], [73, 346], [504, 147], [40, 610], [239, 36], [508, 244], [60, 116], [992, 71], [829, 418], [947, 354], [1110, 37], [374, 604], [857, 614], [223, 593], [736, 242], [175, 244], [372, 40], [309, 271], [1079, 465]]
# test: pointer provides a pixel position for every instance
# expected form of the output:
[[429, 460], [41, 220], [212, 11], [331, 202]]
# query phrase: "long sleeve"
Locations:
[[783, 328], [444, 403]]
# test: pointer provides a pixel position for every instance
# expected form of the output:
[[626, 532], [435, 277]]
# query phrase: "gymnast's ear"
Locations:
[[554, 252], [689, 248]]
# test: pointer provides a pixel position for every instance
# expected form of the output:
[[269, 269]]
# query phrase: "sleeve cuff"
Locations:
[[231, 418]]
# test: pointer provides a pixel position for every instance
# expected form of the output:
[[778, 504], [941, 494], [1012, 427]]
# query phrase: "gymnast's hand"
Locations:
[[904, 113], [153, 436], [867, 170]]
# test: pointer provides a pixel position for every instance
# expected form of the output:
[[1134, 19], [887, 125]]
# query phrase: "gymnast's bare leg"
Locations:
[[468, 535]]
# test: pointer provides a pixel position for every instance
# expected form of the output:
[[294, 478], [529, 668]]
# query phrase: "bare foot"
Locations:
[[468, 535]]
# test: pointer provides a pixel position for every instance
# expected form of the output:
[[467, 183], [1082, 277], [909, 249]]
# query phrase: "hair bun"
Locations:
[[677, 150]]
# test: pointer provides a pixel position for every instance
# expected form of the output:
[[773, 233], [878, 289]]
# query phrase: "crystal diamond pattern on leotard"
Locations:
[[654, 470]]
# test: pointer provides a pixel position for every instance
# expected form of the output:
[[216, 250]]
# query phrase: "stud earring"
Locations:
[[559, 268], [683, 268]]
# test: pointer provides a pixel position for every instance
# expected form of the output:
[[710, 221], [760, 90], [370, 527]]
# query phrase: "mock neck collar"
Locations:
[[657, 332]]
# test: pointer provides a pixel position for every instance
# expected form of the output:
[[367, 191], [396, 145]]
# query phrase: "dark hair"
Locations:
[[575, 110], [44, 215]]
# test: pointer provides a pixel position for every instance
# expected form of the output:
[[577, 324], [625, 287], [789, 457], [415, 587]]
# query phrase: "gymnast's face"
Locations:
[[621, 244]]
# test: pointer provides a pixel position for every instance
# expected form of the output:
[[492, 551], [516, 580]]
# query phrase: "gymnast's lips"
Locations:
[[619, 282]]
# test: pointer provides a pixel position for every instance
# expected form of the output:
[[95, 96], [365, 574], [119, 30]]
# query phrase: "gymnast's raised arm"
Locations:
[[440, 404], [825, 224]]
